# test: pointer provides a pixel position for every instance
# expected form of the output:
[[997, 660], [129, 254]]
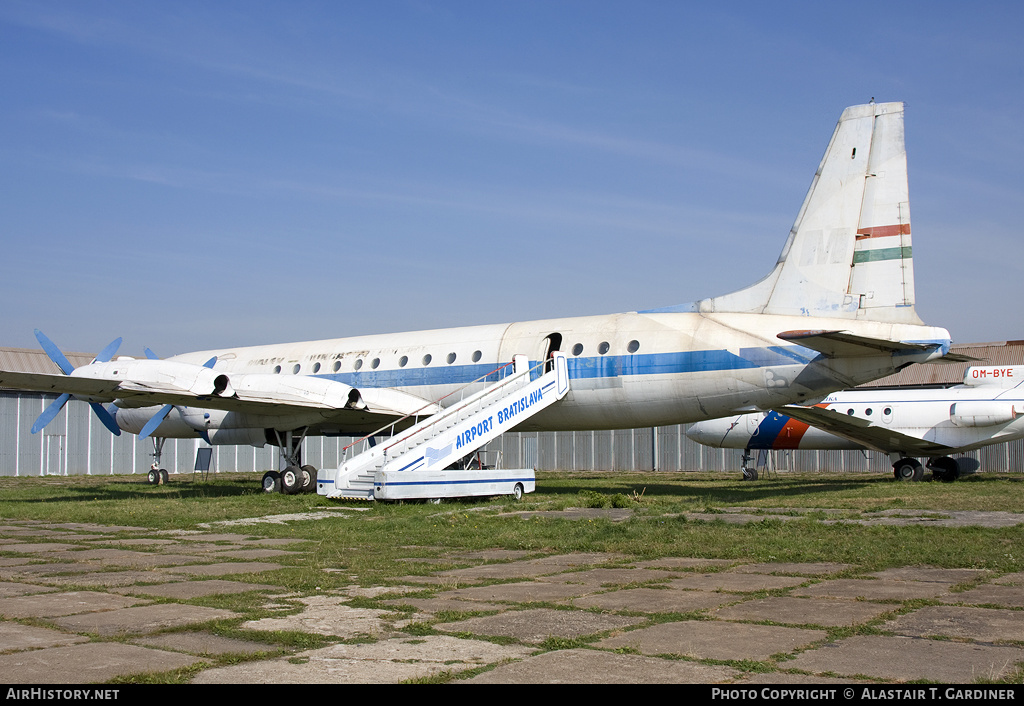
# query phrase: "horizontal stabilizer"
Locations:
[[863, 432], [845, 344]]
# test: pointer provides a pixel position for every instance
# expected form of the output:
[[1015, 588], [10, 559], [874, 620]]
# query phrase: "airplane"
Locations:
[[837, 310], [988, 408]]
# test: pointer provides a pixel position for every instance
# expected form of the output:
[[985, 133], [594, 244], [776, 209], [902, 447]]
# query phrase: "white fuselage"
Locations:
[[626, 370], [988, 409]]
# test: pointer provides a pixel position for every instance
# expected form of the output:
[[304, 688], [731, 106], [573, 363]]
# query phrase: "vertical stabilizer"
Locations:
[[848, 255]]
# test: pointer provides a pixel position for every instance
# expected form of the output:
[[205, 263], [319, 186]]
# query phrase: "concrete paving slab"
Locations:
[[433, 606], [204, 643], [610, 577], [874, 589], [327, 615], [106, 579], [980, 624], [514, 570], [682, 562], [735, 582], [579, 559], [88, 663], [1014, 579], [184, 590], [9, 589], [385, 662], [908, 658], [50, 605], [826, 612], [523, 592], [39, 547], [928, 573], [536, 626], [142, 619], [655, 600], [783, 678], [36, 572], [819, 568], [715, 639], [131, 558], [990, 594], [265, 553], [15, 636], [224, 569], [582, 666]]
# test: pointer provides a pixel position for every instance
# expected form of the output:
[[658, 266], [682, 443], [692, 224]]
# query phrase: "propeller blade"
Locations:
[[50, 412], [107, 353], [151, 355], [210, 363], [106, 418], [55, 355], [154, 421]]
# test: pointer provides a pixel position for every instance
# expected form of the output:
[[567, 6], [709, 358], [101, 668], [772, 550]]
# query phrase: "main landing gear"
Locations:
[[157, 475], [295, 478], [943, 469]]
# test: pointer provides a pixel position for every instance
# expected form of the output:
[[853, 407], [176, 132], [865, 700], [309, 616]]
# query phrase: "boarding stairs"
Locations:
[[434, 444]]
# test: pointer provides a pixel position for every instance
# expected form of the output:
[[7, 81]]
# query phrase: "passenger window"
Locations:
[[451, 358], [296, 368], [603, 348], [375, 363], [577, 349], [358, 363], [402, 361], [427, 358], [633, 346], [337, 365], [316, 367], [476, 356]]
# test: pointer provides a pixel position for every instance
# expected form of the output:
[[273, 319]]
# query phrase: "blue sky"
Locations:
[[192, 175]]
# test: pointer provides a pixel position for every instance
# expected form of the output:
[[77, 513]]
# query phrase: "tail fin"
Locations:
[[848, 255]]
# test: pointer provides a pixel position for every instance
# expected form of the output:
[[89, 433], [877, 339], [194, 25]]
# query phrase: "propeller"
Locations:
[[162, 413], [66, 367]]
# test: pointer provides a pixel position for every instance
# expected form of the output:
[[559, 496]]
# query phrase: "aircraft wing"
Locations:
[[845, 344], [864, 432], [144, 383]]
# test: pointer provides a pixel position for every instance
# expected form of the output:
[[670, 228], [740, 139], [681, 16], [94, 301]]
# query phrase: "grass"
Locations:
[[369, 543]]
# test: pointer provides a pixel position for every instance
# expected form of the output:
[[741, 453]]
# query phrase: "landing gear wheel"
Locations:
[[749, 474], [908, 469], [945, 469], [154, 477], [517, 492], [291, 480], [164, 477], [309, 479], [271, 482]]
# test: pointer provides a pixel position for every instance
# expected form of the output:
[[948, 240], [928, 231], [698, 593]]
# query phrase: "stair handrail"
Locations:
[[455, 409], [416, 413]]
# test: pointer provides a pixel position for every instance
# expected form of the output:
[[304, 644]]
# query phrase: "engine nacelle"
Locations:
[[159, 375], [298, 388], [982, 413]]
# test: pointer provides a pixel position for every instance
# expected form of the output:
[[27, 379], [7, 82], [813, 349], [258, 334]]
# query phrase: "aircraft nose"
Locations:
[[699, 432]]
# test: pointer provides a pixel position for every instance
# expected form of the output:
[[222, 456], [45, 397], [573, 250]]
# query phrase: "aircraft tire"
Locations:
[[153, 478], [309, 479], [749, 474], [908, 469], [291, 480], [164, 477], [945, 469], [271, 482]]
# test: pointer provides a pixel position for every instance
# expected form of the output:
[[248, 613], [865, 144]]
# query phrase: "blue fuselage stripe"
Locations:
[[605, 366]]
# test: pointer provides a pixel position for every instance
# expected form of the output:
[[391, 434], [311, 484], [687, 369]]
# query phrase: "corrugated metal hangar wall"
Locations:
[[76, 443]]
